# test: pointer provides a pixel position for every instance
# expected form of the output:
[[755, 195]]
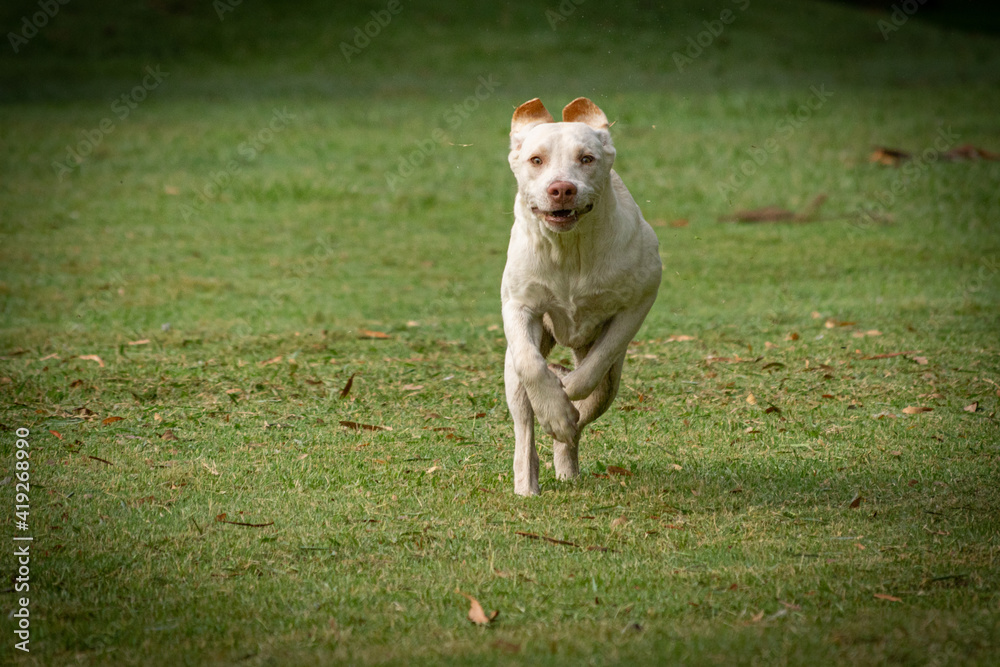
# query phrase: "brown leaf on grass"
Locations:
[[916, 409], [856, 503], [620, 521], [615, 470], [222, 519], [890, 598], [922, 361], [969, 152], [169, 435], [731, 360], [971, 407], [533, 536], [83, 411], [355, 426], [347, 387], [111, 420], [763, 214], [778, 214], [751, 399], [56, 433], [890, 157], [476, 613], [273, 360], [92, 357], [367, 334], [144, 341], [679, 338], [792, 336], [889, 355], [506, 646]]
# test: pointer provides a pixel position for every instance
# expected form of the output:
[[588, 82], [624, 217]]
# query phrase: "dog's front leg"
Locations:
[[533, 391], [609, 348], [525, 454]]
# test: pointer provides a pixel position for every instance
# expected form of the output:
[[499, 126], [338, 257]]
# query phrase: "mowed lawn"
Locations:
[[249, 285]]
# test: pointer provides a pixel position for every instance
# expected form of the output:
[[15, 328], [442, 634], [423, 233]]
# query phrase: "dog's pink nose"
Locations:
[[562, 192]]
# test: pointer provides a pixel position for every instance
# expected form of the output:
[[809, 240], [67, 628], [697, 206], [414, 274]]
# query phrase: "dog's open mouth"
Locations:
[[563, 218]]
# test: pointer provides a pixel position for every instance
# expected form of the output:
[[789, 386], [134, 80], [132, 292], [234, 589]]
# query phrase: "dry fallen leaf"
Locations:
[[367, 334], [792, 336], [92, 357], [355, 426], [476, 613], [916, 409], [971, 407], [111, 420], [890, 598], [347, 387], [620, 521], [615, 470], [269, 361], [751, 399], [433, 469], [144, 341], [891, 157], [856, 503], [679, 338], [969, 152]]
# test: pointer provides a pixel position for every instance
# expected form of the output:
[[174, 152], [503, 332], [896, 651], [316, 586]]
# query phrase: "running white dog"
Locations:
[[583, 269]]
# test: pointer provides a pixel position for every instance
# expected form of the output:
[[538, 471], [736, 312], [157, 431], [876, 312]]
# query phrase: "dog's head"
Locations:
[[562, 169]]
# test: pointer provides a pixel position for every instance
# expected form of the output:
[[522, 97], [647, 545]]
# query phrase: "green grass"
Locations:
[[733, 541]]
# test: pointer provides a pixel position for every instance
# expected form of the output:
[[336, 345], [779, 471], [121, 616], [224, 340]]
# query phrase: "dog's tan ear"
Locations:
[[526, 116], [530, 113], [582, 110]]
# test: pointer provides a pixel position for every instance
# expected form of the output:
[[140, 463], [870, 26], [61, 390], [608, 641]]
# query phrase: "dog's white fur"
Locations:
[[583, 269]]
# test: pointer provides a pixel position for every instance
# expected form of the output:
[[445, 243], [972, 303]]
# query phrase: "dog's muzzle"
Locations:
[[562, 220]]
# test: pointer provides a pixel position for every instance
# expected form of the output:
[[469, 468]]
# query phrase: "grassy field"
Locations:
[[254, 334]]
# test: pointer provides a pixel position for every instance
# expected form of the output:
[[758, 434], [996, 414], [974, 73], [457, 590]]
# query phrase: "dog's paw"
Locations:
[[559, 370], [559, 418], [527, 490]]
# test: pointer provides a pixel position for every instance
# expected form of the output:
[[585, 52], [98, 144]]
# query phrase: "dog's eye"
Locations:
[[587, 159], [536, 160]]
